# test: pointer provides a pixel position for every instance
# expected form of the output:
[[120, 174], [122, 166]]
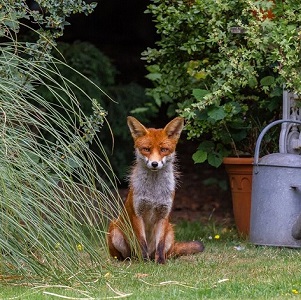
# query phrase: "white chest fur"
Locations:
[[153, 192]]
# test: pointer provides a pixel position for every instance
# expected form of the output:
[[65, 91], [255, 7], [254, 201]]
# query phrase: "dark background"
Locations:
[[121, 30]]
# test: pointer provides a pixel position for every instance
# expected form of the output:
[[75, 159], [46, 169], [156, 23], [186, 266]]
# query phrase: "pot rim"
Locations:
[[238, 160]]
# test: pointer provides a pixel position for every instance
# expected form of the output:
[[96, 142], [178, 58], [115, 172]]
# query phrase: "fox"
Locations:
[[152, 184]]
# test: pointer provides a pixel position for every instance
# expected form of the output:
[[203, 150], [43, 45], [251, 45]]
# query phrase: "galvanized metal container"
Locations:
[[276, 197]]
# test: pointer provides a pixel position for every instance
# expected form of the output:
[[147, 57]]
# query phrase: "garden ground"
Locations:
[[229, 268]]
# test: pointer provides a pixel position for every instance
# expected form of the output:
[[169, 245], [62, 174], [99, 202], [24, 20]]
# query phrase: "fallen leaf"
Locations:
[[141, 275]]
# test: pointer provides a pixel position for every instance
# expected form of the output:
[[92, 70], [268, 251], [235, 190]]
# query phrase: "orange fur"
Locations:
[[150, 198]]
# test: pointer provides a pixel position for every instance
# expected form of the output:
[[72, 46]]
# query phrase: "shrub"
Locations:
[[222, 65]]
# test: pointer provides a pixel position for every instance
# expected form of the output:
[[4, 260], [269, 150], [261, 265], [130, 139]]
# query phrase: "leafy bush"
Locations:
[[222, 65]]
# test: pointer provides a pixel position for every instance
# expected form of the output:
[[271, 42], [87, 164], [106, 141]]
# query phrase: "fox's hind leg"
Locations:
[[118, 246]]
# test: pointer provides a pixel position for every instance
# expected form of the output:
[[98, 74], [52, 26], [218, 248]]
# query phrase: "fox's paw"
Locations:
[[160, 259]]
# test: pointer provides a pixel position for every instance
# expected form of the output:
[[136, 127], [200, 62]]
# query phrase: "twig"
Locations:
[[2, 135], [171, 282]]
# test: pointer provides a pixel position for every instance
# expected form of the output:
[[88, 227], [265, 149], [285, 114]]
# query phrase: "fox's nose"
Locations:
[[154, 164]]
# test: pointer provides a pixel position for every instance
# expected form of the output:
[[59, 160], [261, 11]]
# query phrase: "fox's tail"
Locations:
[[187, 248]]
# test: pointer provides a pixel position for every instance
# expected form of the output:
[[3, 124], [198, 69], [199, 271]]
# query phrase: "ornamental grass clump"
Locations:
[[55, 192]]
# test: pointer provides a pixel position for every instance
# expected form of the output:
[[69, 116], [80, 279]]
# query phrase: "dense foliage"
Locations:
[[222, 65]]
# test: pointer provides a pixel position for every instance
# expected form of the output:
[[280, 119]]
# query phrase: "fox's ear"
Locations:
[[136, 128], [174, 128]]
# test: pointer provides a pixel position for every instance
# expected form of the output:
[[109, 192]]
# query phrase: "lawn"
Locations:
[[230, 268]]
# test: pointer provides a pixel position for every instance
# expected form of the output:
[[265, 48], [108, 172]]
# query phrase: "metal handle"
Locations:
[[296, 187], [264, 131]]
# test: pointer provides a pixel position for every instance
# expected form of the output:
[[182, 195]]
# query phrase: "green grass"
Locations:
[[223, 271]]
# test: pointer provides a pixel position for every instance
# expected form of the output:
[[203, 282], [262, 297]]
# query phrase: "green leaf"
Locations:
[[276, 92], [157, 100], [239, 135], [139, 110], [206, 146], [32, 156], [217, 113], [199, 94], [74, 163], [252, 82], [153, 68], [153, 76], [199, 156], [214, 159], [268, 80]]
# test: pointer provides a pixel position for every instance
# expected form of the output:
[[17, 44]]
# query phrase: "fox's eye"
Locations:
[[164, 150], [146, 149]]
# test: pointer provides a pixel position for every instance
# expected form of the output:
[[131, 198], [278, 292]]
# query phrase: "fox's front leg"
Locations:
[[164, 240], [139, 229]]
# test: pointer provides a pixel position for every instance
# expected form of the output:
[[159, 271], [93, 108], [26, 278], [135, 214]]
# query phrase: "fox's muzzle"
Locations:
[[155, 165]]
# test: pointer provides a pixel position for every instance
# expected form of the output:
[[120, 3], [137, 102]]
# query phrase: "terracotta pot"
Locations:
[[240, 176]]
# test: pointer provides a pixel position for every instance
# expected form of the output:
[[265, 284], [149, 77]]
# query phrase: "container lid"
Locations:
[[281, 160]]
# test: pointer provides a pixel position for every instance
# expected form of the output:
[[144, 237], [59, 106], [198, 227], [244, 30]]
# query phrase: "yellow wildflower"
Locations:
[[79, 247], [217, 236]]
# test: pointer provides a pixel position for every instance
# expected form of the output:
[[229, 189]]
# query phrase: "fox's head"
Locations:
[[156, 147]]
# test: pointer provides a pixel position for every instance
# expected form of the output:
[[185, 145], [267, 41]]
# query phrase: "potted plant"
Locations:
[[222, 66]]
